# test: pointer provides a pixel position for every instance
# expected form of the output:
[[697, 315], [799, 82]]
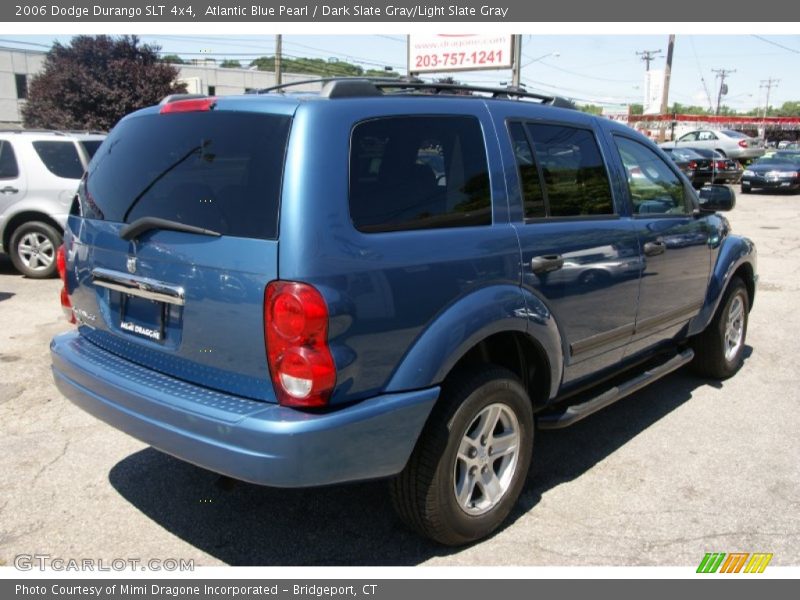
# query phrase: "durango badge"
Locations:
[[131, 264]]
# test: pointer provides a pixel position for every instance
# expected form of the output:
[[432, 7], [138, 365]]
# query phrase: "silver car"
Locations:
[[729, 143], [39, 175]]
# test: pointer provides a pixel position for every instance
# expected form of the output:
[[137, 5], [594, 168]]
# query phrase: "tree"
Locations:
[[636, 109], [310, 66], [229, 63], [789, 109], [94, 81], [592, 109], [173, 59]]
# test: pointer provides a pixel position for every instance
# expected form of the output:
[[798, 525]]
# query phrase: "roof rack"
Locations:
[[354, 87]]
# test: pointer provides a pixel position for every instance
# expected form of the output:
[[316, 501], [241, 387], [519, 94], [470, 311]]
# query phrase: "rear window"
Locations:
[[734, 134], [217, 170], [91, 146], [60, 158], [418, 173]]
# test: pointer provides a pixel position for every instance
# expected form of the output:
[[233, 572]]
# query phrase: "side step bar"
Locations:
[[575, 413]]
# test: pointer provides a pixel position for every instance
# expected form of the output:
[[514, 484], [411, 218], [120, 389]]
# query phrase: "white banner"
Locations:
[[442, 53]]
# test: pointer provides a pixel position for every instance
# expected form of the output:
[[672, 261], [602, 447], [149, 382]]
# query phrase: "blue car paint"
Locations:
[[404, 306], [245, 439]]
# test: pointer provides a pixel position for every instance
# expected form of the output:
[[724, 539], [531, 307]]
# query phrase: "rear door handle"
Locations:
[[546, 263], [9, 190], [654, 248]]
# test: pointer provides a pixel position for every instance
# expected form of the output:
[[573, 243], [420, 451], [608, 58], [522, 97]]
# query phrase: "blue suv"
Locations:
[[387, 279]]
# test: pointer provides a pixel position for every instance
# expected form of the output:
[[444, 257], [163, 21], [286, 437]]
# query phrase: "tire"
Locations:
[[746, 189], [719, 350], [33, 249], [439, 494]]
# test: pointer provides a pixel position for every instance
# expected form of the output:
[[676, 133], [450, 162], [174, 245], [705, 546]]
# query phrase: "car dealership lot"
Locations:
[[684, 467]]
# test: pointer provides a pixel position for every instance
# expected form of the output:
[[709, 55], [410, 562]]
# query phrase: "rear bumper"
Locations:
[[249, 440]]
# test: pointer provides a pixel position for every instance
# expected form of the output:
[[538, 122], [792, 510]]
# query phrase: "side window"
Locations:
[[60, 158], [654, 187], [531, 188], [8, 161], [418, 172], [689, 137], [575, 177], [706, 136]]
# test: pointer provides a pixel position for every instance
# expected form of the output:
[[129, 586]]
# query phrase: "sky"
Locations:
[[598, 69]]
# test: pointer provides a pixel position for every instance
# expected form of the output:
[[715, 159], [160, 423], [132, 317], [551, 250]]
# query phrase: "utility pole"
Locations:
[[723, 89], [516, 67], [769, 84], [667, 75], [648, 56], [278, 52]]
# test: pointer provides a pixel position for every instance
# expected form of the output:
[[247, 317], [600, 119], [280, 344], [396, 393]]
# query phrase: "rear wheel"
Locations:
[[472, 459], [719, 350], [33, 249], [746, 189]]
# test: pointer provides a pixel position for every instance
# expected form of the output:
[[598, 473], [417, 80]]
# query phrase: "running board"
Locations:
[[575, 413]]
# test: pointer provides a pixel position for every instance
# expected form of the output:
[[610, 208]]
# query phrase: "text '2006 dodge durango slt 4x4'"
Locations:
[[387, 279]]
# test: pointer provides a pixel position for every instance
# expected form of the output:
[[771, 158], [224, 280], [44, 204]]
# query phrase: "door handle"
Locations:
[[654, 248], [9, 190], [546, 263]]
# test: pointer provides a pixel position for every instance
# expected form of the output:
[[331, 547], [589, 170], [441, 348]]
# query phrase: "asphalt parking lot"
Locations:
[[683, 468]]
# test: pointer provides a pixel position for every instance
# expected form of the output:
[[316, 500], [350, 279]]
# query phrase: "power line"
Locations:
[[763, 39]]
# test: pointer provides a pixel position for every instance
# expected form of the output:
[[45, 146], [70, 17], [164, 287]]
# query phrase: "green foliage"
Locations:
[[94, 81], [592, 109], [173, 59], [229, 63], [637, 109], [309, 66]]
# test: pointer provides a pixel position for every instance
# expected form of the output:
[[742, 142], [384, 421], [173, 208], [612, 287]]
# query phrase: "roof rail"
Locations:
[[53, 131], [342, 87]]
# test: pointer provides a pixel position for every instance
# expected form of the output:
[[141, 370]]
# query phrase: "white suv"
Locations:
[[39, 174]]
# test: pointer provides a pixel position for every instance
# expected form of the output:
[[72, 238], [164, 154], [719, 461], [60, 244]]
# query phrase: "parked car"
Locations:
[[697, 168], [723, 170], [281, 287], [781, 171], [729, 143], [39, 175]]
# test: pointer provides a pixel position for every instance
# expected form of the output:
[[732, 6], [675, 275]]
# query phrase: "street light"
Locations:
[[530, 62]]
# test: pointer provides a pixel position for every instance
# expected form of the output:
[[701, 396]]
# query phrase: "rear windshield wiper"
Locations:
[[139, 226]]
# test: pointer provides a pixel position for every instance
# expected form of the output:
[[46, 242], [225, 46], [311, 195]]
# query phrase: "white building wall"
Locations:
[[224, 82]]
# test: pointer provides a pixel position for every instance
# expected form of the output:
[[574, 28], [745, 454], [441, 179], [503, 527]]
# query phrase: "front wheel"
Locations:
[[470, 464], [719, 350], [746, 189]]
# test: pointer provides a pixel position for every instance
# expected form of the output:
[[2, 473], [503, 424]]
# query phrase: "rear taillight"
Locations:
[[296, 332], [191, 105], [61, 265], [743, 143], [720, 164], [692, 165]]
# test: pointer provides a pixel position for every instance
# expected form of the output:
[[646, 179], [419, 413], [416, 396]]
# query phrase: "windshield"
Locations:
[[215, 170]]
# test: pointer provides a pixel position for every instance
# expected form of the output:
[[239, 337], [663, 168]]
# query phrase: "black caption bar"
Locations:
[[299, 11], [393, 589]]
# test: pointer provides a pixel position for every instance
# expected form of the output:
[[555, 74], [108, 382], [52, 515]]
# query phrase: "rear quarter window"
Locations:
[[8, 161], [418, 172], [60, 158]]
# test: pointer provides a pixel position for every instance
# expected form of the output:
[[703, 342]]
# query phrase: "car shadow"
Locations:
[[7, 267], [242, 524]]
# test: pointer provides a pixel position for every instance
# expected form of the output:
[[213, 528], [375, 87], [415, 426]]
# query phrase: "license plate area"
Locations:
[[143, 317]]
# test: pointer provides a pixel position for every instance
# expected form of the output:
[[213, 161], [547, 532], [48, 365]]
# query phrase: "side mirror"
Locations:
[[715, 198]]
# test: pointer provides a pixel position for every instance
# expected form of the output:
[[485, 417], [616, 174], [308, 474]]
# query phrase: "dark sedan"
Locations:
[[781, 171], [697, 168], [724, 170]]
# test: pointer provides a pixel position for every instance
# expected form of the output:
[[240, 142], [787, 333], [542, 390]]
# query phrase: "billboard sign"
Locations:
[[444, 53]]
